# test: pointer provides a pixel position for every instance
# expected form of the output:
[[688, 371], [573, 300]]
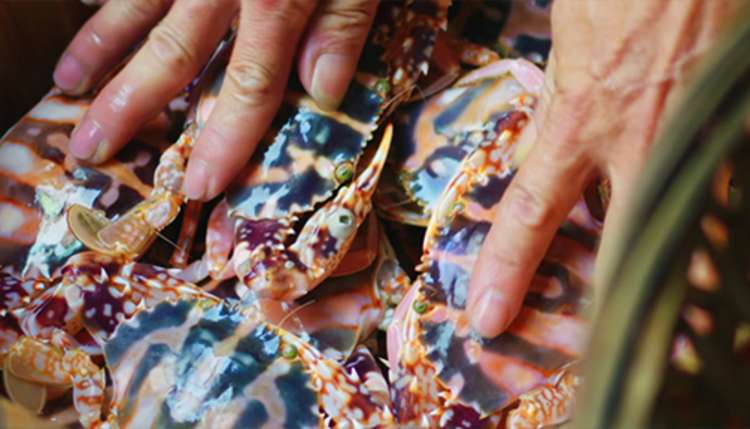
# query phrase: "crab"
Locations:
[[106, 299], [68, 323], [39, 181], [350, 305], [434, 136], [298, 206], [446, 375], [60, 304], [207, 365]]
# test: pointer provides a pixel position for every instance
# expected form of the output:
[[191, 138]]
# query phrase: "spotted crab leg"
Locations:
[[272, 270], [219, 239], [45, 364], [131, 234], [546, 406], [348, 398], [14, 293]]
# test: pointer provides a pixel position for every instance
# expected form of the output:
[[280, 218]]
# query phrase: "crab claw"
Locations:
[[273, 270]]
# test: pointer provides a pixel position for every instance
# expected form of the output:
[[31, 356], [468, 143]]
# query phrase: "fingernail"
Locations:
[[491, 314], [326, 80], [196, 179], [86, 139], [68, 74]]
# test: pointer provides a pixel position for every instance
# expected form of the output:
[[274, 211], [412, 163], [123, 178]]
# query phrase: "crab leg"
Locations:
[[275, 272], [190, 221], [343, 397], [131, 234], [546, 406], [46, 364], [89, 382]]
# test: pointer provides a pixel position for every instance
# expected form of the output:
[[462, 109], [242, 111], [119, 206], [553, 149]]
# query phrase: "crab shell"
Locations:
[[433, 137], [441, 366], [94, 293], [39, 180], [200, 364]]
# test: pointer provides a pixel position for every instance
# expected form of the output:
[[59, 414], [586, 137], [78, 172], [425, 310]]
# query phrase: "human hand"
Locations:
[[614, 69], [327, 36]]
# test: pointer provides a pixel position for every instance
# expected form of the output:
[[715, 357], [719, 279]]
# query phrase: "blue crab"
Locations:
[[205, 365], [446, 375], [434, 136], [315, 169], [60, 301], [350, 305], [304, 195], [39, 181]]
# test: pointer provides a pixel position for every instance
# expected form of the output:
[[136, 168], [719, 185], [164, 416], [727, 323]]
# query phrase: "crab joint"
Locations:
[[420, 306], [289, 351]]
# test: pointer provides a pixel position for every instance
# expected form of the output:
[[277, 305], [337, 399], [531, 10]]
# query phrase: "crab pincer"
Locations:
[[272, 268]]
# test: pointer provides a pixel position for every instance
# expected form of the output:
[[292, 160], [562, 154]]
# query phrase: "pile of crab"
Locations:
[[124, 305]]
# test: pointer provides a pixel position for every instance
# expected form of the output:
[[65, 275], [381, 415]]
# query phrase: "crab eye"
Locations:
[[341, 223], [344, 171]]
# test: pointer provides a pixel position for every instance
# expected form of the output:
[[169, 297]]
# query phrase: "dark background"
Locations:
[[33, 33]]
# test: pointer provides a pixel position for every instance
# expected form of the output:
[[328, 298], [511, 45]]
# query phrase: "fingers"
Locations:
[[174, 53], [541, 195], [250, 95], [104, 40], [330, 52]]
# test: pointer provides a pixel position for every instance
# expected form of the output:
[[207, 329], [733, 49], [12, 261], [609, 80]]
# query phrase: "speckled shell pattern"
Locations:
[[39, 181], [433, 137], [471, 377], [193, 364]]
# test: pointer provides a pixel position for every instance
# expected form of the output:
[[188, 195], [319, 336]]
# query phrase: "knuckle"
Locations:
[[355, 16], [528, 207], [169, 46], [253, 82]]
